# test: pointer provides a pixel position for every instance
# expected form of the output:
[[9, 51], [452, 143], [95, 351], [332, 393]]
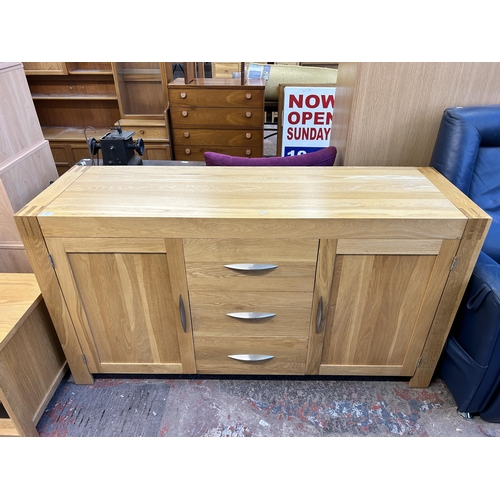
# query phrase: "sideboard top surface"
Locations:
[[194, 197], [20, 295]]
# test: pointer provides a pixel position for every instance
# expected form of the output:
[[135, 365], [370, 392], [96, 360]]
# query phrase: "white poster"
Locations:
[[307, 119]]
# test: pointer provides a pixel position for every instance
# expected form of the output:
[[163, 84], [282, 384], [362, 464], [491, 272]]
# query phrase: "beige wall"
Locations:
[[389, 113]]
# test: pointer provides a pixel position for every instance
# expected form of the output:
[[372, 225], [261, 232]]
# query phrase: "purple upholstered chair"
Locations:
[[322, 158]]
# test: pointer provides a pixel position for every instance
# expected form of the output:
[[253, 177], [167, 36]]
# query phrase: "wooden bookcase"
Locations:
[[75, 101]]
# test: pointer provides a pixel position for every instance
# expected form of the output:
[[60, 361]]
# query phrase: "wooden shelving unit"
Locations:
[[74, 97]]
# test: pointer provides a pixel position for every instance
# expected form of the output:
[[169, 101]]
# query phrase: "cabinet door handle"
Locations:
[[319, 315], [251, 267], [182, 312], [250, 357], [251, 315]]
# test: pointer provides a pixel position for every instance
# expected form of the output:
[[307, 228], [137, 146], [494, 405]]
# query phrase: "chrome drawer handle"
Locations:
[[250, 357], [251, 267], [251, 315]]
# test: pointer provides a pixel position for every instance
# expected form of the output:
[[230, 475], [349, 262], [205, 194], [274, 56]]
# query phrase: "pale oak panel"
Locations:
[[366, 327]]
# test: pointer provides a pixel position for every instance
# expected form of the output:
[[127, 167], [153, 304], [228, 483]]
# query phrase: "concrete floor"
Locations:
[[255, 407]]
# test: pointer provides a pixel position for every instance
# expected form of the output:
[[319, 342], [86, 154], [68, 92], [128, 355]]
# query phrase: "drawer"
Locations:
[[209, 137], [206, 261], [262, 314], [150, 133], [216, 117], [288, 355], [156, 151], [195, 153], [216, 97]]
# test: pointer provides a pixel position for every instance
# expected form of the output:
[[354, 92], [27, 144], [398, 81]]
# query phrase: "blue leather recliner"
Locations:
[[467, 152]]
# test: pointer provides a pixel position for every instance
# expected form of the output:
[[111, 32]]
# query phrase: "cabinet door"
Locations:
[[384, 297], [128, 301]]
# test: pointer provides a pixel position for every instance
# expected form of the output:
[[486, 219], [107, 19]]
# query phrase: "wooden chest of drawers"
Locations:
[[218, 115], [303, 271], [250, 298]]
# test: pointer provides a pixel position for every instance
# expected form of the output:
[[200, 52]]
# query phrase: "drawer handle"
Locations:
[[248, 135], [182, 311], [186, 134], [248, 95], [250, 357], [251, 315], [184, 113], [183, 95], [188, 151], [319, 315], [251, 267], [248, 152], [248, 114]]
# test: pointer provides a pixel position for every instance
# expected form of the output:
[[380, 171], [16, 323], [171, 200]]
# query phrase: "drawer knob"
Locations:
[[248, 95], [251, 315], [184, 113], [250, 357], [248, 135], [251, 267], [186, 134], [188, 151], [183, 95], [248, 114], [141, 132], [248, 152]]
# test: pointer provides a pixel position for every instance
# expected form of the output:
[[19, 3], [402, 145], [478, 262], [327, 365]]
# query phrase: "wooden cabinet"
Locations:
[[26, 163], [141, 88], [220, 115], [32, 362], [306, 270], [77, 101]]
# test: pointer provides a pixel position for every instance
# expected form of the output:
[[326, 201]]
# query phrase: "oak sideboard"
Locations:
[[258, 271]]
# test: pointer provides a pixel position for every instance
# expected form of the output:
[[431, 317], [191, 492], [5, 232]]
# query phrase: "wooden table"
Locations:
[[264, 270], [32, 362]]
